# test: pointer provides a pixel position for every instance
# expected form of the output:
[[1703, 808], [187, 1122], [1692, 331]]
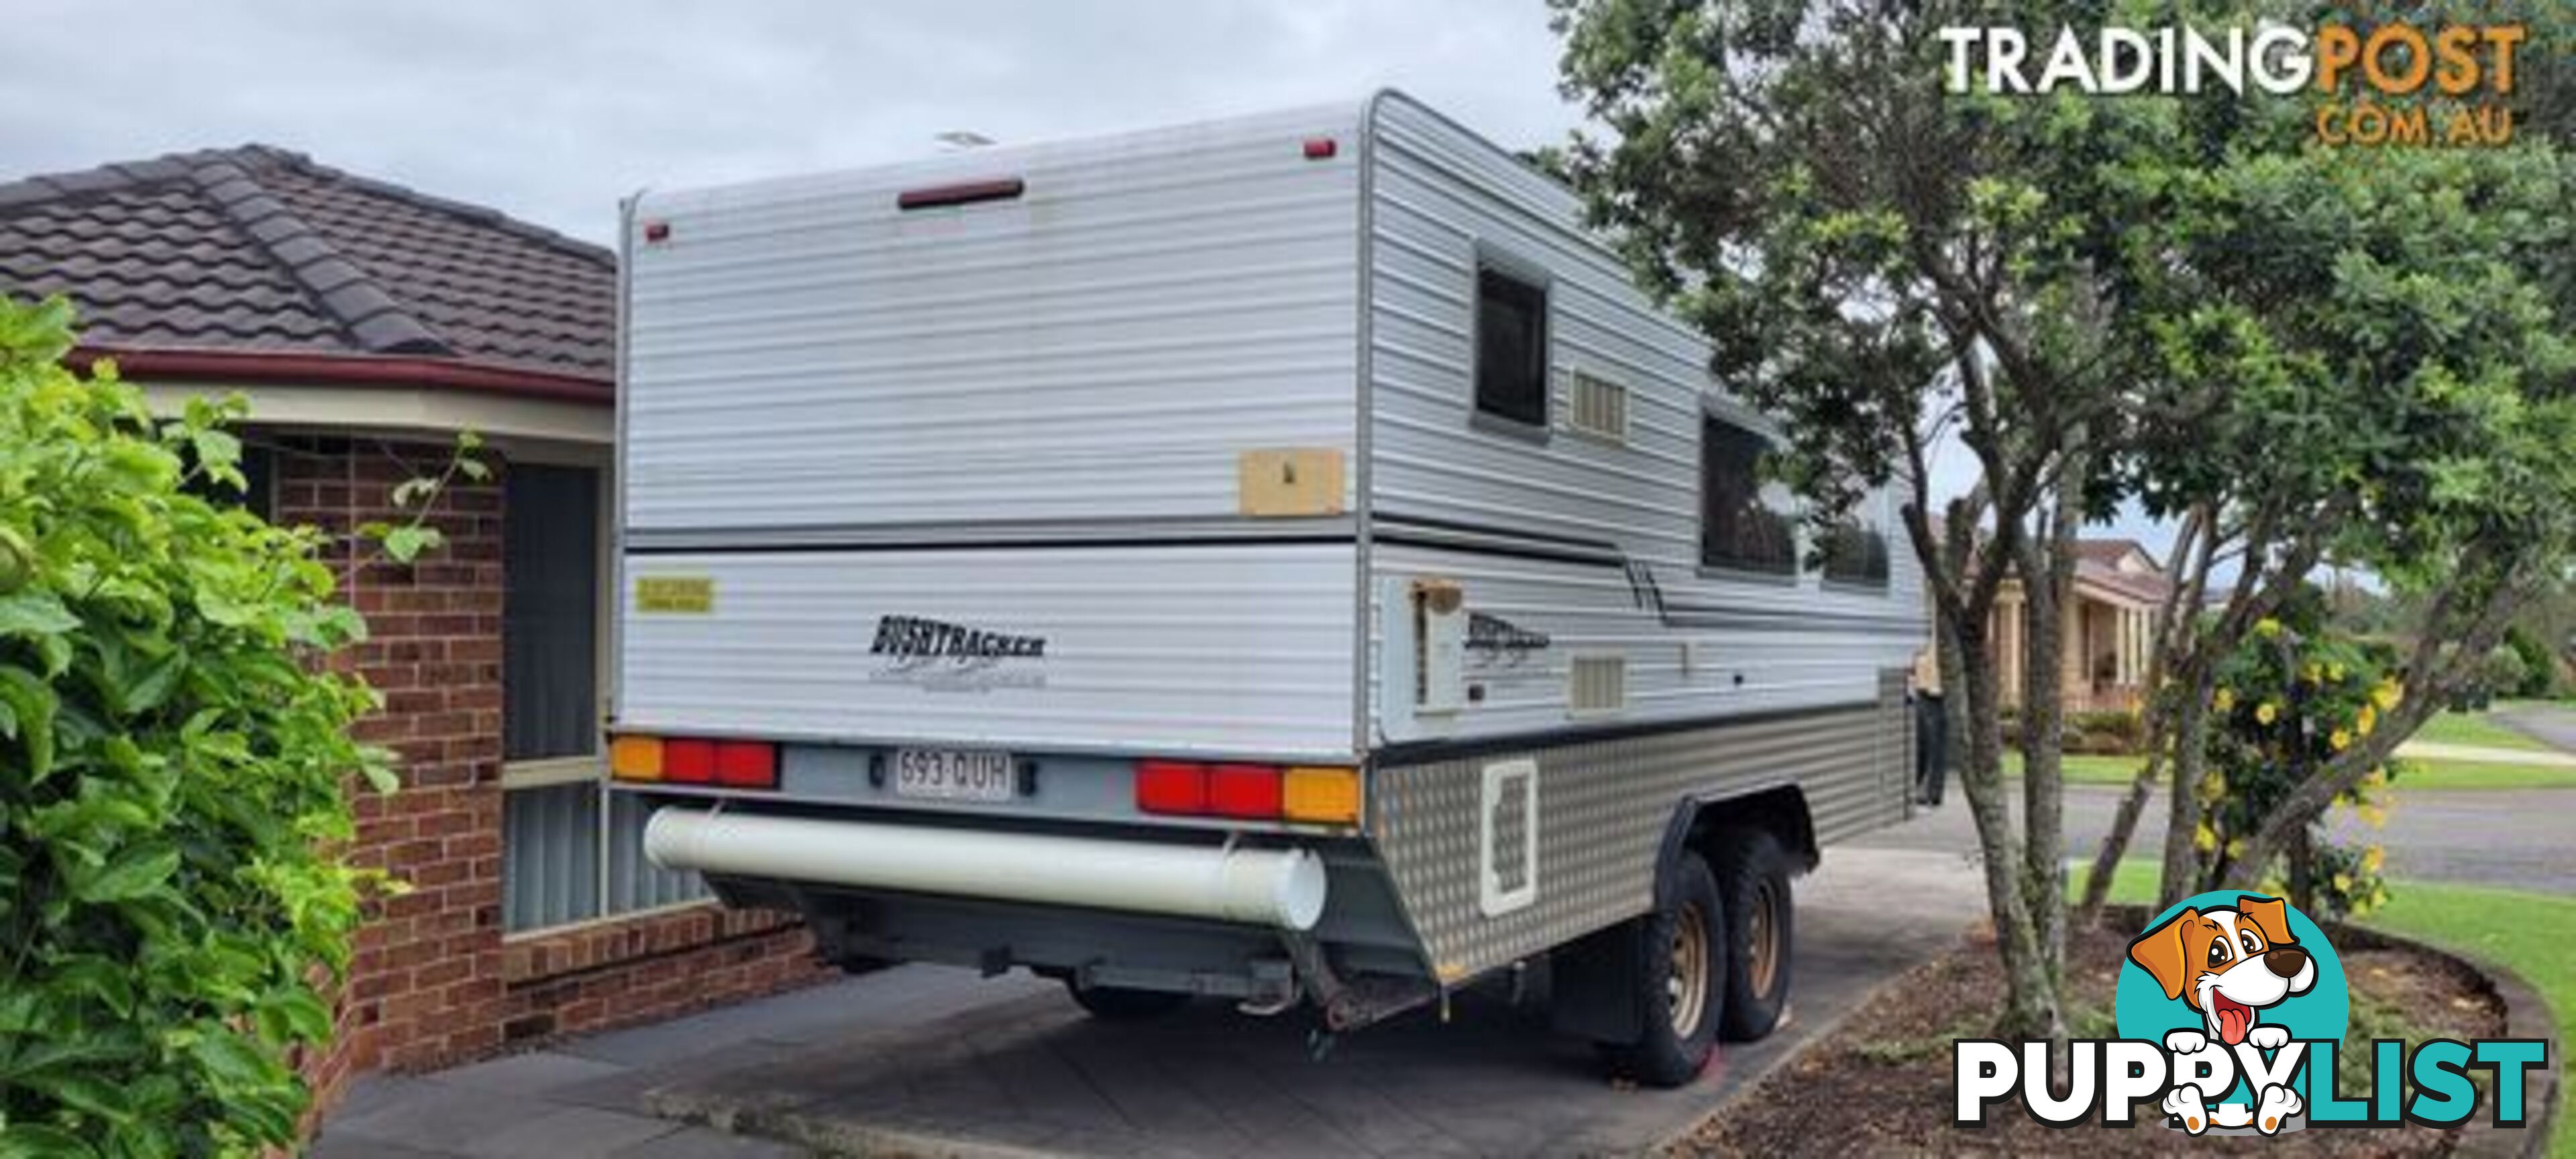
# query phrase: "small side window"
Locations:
[[1737, 530], [1856, 554], [1511, 348]]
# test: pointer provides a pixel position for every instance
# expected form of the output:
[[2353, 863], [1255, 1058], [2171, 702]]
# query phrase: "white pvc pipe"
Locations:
[[1277, 887]]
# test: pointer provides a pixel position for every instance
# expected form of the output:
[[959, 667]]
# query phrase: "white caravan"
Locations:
[[1281, 559]]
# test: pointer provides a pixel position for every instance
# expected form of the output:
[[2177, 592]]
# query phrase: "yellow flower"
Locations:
[[2267, 712], [2377, 776], [2387, 695], [2235, 848], [2372, 858], [2343, 883], [2334, 672], [2341, 740], [2375, 815], [2225, 701], [2267, 627], [2313, 673], [2212, 787], [2205, 839], [2367, 720]]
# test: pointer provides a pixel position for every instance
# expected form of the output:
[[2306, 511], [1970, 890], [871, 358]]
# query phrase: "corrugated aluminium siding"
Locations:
[[1240, 650], [1442, 199], [801, 353]]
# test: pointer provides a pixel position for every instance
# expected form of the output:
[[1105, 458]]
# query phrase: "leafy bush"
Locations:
[[172, 770], [2109, 732], [2539, 667], [2295, 694]]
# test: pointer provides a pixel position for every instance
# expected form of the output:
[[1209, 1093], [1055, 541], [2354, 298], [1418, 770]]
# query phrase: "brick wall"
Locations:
[[433, 981]]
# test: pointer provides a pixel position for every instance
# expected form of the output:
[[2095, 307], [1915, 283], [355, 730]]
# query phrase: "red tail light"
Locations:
[[1320, 148], [1243, 791], [688, 762], [1171, 787], [747, 764]]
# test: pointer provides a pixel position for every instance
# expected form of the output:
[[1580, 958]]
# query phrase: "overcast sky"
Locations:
[[551, 110]]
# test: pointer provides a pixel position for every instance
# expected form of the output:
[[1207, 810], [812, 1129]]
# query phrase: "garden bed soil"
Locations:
[[1880, 1083]]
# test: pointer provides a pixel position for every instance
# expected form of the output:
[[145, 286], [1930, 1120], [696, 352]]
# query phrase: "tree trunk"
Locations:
[[2048, 587], [2190, 757], [2031, 1008]]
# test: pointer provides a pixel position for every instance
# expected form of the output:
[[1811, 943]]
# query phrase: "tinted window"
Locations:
[[1737, 529], [1511, 348], [1856, 553], [550, 612]]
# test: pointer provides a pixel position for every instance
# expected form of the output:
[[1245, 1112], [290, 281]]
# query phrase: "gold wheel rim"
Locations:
[[1686, 984], [1763, 931]]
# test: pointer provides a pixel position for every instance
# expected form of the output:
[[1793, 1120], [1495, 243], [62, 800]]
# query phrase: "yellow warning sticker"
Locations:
[[675, 595]]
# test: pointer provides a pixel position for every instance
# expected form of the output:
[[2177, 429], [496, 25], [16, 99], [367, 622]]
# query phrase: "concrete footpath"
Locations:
[[930, 1061]]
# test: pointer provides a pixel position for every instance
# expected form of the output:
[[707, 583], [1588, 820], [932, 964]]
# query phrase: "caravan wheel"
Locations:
[[1753, 878], [1681, 978]]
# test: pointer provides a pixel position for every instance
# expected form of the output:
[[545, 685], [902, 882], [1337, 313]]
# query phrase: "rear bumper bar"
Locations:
[[1273, 887]]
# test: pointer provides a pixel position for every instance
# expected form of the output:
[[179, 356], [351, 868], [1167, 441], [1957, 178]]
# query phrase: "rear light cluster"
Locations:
[[1320, 794], [732, 764]]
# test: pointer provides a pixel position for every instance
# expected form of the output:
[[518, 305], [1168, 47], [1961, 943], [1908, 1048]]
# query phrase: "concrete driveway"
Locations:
[[923, 1060]]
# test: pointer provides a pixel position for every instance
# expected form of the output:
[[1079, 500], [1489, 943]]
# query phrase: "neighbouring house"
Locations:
[[368, 324], [2109, 632], [2109, 629]]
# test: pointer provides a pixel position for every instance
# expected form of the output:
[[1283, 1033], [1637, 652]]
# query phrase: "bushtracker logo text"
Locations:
[[2231, 1008], [914, 638]]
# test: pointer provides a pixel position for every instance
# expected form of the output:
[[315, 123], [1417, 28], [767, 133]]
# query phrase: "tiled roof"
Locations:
[[258, 250]]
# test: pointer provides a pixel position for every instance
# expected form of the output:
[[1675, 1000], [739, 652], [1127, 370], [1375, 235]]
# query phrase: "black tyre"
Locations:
[[1680, 978], [1121, 1004], [1761, 942]]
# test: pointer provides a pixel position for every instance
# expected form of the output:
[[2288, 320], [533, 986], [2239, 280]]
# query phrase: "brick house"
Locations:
[[367, 324]]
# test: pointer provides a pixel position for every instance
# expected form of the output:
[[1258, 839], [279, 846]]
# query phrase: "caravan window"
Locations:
[[1737, 530], [1856, 554], [1511, 348]]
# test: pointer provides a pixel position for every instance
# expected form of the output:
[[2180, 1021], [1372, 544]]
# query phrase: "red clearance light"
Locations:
[[1321, 148], [962, 193], [747, 764], [688, 762], [1171, 787], [1243, 791], [657, 231]]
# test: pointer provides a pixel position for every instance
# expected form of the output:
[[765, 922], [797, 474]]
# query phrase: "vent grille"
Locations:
[[1598, 408], [1598, 684], [1507, 848]]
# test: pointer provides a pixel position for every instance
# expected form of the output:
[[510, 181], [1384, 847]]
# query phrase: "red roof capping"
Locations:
[[257, 265]]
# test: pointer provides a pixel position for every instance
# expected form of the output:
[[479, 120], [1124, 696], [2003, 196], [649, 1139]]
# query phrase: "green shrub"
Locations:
[[2539, 668], [172, 768], [2296, 693], [2110, 732]]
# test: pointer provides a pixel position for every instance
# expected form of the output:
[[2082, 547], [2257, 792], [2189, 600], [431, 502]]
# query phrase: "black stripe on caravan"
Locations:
[[809, 547], [1602, 546], [1423, 752]]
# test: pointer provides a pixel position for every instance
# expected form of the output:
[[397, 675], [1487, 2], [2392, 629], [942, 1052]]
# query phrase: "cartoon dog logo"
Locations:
[[2229, 963]]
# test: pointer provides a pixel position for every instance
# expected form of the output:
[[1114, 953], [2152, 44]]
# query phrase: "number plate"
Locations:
[[954, 774]]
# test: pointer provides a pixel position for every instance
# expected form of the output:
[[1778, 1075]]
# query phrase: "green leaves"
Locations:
[[172, 761]]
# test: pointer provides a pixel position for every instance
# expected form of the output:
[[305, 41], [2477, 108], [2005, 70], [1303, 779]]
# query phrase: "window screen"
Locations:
[[1737, 529], [550, 613], [1511, 348]]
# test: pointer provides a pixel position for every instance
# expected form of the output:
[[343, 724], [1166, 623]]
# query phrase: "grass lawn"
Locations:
[[2421, 774], [2475, 728], [2528, 933]]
